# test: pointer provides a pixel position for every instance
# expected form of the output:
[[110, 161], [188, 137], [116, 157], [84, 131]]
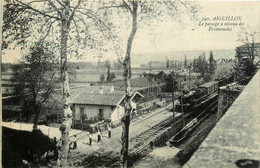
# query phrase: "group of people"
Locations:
[[99, 135]]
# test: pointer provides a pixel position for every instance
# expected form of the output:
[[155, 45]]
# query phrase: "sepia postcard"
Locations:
[[130, 83]]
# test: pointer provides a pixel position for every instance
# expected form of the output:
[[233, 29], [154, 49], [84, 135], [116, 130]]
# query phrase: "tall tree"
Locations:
[[212, 64], [202, 66], [194, 65], [34, 81], [67, 24], [185, 61], [247, 36], [137, 13], [102, 77], [108, 66]]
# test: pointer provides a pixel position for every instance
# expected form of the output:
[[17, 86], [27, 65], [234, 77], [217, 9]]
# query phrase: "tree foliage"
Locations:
[[201, 66], [212, 64], [246, 54], [133, 15], [67, 25], [102, 78], [34, 80], [112, 76], [185, 61]]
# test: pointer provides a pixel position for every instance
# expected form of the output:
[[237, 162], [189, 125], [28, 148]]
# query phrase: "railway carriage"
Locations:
[[195, 97], [210, 87]]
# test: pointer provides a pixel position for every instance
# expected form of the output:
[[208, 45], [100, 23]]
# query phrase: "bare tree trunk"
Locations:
[[36, 118], [127, 75], [67, 113]]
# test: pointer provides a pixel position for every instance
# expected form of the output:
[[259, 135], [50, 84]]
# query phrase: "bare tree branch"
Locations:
[[111, 6], [61, 4], [54, 7], [73, 12], [78, 39], [93, 16], [48, 29], [36, 1], [37, 11], [127, 6]]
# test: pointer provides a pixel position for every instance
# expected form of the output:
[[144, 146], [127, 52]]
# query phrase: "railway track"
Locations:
[[141, 143], [110, 161], [152, 131]]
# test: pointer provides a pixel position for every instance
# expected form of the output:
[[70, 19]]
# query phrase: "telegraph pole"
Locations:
[[189, 76], [173, 108], [182, 114]]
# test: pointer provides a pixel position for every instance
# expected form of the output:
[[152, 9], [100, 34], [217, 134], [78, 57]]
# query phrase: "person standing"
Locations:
[[99, 136], [70, 145], [109, 131], [90, 139], [75, 142]]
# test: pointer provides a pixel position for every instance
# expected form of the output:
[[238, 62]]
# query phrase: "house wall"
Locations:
[[118, 113], [92, 111]]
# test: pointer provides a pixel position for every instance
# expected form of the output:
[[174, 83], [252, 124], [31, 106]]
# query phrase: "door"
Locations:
[[101, 114]]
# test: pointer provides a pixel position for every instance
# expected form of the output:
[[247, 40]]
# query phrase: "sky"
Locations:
[[172, 36]]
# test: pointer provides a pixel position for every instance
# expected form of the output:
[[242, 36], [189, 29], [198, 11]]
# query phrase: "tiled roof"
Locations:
[[98, 99], [91, 95]]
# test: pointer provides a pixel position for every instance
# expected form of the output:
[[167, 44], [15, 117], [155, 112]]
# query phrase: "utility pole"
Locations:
[[173, 107], [189, 76], [182, 114]]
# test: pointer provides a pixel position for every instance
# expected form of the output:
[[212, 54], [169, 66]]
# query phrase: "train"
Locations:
[[196, 105], [225, 80], [195, 96]]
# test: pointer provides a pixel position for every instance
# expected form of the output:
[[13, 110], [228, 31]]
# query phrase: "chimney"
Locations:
[[112, 88], [100, 90]]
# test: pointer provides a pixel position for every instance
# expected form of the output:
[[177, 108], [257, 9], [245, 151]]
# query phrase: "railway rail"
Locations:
[[143, 142]]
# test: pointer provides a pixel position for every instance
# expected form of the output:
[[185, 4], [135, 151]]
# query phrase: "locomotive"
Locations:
[[196, 96]]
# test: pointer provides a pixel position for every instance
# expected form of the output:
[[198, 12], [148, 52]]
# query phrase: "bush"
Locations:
[[23, 145]]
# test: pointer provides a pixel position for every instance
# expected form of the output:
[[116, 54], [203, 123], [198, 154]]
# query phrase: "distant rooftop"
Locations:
[[98, 95], [94, 95]]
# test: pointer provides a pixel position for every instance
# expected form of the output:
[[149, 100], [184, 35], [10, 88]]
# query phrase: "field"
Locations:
[[81, 77]]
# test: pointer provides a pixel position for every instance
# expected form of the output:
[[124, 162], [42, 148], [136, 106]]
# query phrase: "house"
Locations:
[[100, 103]]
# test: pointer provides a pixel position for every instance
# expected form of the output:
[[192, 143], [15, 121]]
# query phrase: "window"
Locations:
[[82, 111], [82, 114], [101, 114]]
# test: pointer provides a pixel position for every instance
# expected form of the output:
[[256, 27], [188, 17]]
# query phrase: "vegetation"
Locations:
[[34, 81], [112, 76], [246, 54], [137, 13], [20, 146], [185, 62], [102, 78], [212, 65], [5, 67], [108, 66], [67, 25], [204, 67]]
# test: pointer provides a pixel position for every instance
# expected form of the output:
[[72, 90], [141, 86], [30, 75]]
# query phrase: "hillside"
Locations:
[[143, 58]]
